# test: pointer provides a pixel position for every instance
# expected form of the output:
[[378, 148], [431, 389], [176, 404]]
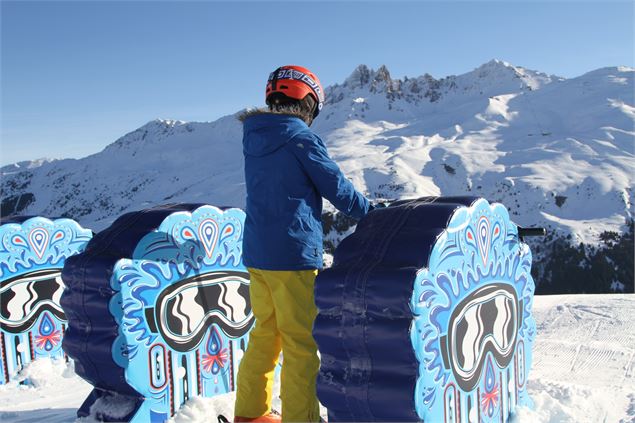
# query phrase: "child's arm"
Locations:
[[327, 176]]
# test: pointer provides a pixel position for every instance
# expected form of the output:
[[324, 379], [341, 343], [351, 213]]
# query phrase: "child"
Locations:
[[287, 172]]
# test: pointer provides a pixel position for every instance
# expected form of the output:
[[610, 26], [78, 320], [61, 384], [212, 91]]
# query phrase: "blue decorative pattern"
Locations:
[[426, 315], [178, 300], [479, 249], [32, 253]]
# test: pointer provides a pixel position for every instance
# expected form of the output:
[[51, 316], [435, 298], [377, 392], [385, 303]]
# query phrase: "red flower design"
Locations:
[[53, 338], [213, 362]]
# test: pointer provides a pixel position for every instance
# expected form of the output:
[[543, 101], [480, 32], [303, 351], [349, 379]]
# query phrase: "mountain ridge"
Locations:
[[557, 152]]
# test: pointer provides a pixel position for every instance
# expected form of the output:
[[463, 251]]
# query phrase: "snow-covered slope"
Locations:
[[163, 161], [24, 165], [557, 152], [583, 372]]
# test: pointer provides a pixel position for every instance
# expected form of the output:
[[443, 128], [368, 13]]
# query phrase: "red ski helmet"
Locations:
[[295, 82]]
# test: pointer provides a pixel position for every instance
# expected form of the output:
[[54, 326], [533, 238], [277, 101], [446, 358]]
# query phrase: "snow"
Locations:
[[617, 286], [53, 395], [503, 132], [583, 372], [584, 367], [24, 165]]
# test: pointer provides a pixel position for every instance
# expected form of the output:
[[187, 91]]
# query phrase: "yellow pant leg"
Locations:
[[294, 303], [255, 373]]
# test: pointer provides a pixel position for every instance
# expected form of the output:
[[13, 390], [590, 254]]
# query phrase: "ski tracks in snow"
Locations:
[[583, 372], [583, 369]]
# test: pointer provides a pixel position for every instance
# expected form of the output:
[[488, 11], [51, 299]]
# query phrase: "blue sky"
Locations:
[[77, 75]]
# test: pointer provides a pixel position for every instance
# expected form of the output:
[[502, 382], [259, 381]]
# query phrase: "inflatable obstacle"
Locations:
[[426, 315], [158, 310], [32, 253]]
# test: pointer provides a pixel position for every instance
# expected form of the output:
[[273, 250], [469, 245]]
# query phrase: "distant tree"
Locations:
[[569, 269]]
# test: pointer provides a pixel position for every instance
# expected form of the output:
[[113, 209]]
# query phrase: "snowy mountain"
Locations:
[[20, 166], [557, 152]]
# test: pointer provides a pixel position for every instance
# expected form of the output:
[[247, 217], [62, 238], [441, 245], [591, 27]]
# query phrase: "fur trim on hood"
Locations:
[[261, 111]]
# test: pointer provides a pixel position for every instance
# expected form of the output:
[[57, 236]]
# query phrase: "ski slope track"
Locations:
[[557, 152], [583, 372]]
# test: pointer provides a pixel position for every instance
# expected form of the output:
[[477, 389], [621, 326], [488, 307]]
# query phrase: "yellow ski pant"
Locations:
[[284, 306]]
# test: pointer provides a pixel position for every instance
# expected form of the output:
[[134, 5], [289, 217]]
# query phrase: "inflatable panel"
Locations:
[[32, 253], [159, 309], [426, 315]]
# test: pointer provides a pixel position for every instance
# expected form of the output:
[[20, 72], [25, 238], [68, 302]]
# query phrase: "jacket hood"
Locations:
[[264, 132]]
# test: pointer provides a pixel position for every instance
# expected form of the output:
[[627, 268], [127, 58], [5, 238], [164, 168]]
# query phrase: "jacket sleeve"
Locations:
[[327, 176]]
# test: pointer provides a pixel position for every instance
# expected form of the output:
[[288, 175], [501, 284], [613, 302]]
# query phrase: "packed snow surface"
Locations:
[[583, 372]]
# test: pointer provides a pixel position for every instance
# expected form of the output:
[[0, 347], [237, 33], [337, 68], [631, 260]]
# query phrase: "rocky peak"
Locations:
[[382, 75], [359, 77], [363, 76], [500, 72], [494, 67]]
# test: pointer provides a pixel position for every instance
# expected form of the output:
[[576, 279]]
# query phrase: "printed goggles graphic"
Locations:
[[185, 310], [23, 298], [486, 321]]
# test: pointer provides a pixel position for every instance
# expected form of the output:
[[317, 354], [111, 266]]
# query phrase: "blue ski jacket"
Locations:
[[287, 172]]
